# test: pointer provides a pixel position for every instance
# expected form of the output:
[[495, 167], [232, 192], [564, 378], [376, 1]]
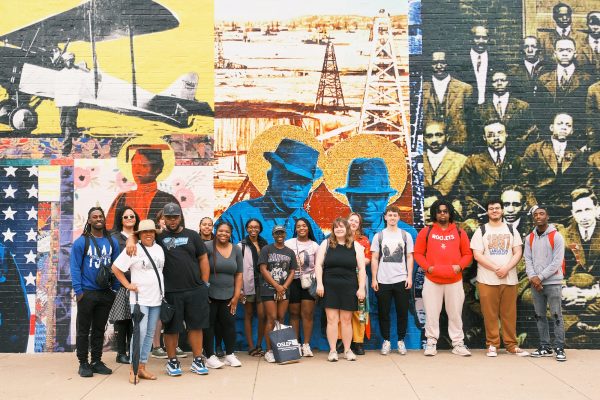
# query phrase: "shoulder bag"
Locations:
[[167, 311]]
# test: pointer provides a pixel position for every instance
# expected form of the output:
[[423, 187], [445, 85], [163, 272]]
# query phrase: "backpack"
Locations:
[[551, 239], [510, 229]]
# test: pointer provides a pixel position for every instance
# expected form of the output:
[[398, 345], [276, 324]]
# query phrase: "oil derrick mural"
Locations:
[[94, 111], [330, 87], [288, 142]]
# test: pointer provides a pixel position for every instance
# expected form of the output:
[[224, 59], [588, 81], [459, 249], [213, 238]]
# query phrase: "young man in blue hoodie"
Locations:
[[544, 257], [91, 251]]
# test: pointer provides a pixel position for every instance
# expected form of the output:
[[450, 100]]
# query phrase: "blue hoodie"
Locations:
[[85, 268], [541, 260]]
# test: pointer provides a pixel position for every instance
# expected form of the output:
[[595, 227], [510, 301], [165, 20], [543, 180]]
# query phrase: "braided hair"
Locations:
[[87, 229]]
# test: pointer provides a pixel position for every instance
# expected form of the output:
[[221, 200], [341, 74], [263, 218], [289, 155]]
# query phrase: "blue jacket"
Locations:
[[84, 268]]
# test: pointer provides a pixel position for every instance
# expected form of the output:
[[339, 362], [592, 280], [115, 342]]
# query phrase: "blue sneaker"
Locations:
[[173, 367], [198, 366]]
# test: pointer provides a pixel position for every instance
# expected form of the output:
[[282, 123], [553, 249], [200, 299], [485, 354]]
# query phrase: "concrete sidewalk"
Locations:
[[444, 377]]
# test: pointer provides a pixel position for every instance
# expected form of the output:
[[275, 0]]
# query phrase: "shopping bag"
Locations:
[[284, 343]]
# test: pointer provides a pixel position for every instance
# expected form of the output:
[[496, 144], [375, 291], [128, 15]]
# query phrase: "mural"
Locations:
[[294, 110], [514, 117]]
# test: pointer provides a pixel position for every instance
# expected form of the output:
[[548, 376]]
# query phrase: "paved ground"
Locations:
[[444, 377]]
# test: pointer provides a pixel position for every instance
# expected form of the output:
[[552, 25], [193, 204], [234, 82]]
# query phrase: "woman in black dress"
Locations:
[[338, 259]]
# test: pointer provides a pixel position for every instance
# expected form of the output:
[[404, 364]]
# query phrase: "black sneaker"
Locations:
[[122, 358], [85, 370], [560, 354], [359, 349], [100, 368], [542, 352]]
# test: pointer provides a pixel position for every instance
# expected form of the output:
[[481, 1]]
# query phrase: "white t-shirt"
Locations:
[[498, 245], [306, 253], [143, 275], [392, 265]]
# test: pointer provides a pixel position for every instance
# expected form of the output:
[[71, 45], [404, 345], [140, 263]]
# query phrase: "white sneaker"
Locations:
[[386, 347], [214, 362], [461, 350], [232, 360], [430, 349], [350, 356], [491, 352], [269, 357], [519, 352], [401, 347], [306, 351], [332, 356]]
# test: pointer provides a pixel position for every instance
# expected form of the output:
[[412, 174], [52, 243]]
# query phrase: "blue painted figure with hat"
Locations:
[[293, 171], [368, 191]]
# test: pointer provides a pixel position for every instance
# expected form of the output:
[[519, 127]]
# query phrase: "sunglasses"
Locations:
[[128, 216]]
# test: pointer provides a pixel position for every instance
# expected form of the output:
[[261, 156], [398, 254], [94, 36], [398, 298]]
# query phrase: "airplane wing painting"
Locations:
[[111, 21]]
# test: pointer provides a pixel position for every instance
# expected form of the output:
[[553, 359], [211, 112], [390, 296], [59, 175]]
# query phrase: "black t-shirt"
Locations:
[[280, 263], [182, 268]]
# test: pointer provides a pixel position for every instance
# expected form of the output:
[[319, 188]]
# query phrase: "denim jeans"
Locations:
[[147, 327], [551, 295]]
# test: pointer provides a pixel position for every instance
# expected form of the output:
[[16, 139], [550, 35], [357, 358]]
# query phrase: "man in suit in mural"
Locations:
[[588, 57], [478, 67], [592, 113], [582, 255], [447, 98], [562, 15], [594, 166], [524, 75], [514, 200], [514, 114], [293, 171], [146, 165], [368, 191], [441, 165], [565, 87], [553, 168], [486, 172]]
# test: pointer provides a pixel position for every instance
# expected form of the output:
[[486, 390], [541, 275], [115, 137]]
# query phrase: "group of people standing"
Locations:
[[204, 276]]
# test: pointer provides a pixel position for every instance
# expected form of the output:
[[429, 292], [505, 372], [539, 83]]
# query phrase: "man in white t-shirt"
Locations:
[[392, 269], [497, 249]]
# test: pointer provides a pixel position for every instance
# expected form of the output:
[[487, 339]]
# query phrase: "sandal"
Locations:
[[253, 352], [259, 352]]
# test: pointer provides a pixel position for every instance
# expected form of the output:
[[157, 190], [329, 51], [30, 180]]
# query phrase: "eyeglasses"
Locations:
[[128, 216]]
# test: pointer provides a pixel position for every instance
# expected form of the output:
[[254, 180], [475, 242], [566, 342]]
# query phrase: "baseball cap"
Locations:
[[171, 209], [278, 228]]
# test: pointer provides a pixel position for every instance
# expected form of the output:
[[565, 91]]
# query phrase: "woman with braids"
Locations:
[[251, 246], [302, 304], [225, 280], [126, 224], [93, 250]]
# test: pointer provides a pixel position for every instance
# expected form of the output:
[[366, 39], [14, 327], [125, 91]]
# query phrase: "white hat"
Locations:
[[146, 225]]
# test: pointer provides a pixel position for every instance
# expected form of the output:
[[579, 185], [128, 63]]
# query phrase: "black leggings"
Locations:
[[220, 313], [384, 305], [124, 329]]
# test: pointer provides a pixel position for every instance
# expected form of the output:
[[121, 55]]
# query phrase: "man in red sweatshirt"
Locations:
[[443, 251]]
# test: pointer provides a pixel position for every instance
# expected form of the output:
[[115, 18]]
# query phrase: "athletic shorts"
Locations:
[[297, 294], [191, 308], [252, 298]]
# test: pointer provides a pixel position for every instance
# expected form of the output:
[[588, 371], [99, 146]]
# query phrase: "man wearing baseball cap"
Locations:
[[277, 264], [186, 273]]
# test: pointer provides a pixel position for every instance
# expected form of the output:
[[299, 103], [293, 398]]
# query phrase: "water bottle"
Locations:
[[362, 315]]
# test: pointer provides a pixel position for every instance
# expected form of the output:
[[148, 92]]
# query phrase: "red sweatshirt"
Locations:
[[443, 249]]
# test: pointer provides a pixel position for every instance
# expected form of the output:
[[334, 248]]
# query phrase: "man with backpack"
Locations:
[[442, 251], [92, 256], [392, 271], [544, 263], [497, 250]]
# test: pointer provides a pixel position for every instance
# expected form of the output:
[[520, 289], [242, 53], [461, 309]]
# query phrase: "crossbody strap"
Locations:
[[155, 270], [96, 245]]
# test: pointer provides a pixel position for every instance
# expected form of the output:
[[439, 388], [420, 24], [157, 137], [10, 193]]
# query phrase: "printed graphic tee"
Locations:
[[182, 268], [306, 253], [497, 244], [392, 265], [279, 263]]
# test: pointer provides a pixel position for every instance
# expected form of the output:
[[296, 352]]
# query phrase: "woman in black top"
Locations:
[[126, 223], [338, 259]]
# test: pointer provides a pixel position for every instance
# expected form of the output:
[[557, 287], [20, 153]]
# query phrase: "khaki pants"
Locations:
[[453, 296], [499, 303]]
